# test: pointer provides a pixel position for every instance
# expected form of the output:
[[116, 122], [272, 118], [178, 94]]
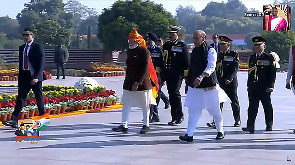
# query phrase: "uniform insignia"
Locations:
[[262, 62], [228, 58], [155, 54], [176, 49]]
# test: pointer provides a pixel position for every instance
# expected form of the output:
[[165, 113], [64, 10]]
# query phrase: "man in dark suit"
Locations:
[[60, 59], [215, 43], [31, 65], [261, 80]]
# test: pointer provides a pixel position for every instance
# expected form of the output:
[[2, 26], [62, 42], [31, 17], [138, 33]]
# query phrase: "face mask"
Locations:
[[133, 46]]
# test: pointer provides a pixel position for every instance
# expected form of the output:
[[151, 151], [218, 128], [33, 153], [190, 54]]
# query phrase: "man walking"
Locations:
[[202, 92], [31, 65], [176, 61], [261, 80]]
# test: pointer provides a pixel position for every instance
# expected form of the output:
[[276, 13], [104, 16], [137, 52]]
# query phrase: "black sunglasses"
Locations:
[[26, 34]]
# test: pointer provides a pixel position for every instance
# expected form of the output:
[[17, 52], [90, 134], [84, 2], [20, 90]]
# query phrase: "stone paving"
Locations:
[[88, 139]]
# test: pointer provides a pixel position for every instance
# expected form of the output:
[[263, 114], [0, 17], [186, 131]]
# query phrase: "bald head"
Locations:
[[199, 38]]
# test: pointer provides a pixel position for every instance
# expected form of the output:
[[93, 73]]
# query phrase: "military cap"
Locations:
[[152, 36], [257, 40], [224, 39], [174, 29]]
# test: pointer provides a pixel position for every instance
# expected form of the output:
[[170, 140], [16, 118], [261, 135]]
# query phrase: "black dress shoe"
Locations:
[[144, 129], [219, 136], [251, 130], [155, 120], [121, 128], [237, 123], [172, 122], [179, 120], [167, 106], [186, 138], [294, 131], [10, 123], [268, 128], [211, 125]]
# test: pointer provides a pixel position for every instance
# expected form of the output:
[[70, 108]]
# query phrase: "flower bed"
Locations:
[[104, 70], [59, 100], [12, 75], [243, 66]]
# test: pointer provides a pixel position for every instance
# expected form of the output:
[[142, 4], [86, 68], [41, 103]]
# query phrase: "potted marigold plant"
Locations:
[[22, 115], [31, 111], [63, 107]]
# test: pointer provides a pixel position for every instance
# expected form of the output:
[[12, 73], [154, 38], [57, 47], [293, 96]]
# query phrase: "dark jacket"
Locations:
[[157, 58], [176, 59], [227, 67], [218, 46], [198, 64], [59, 56], [36, 57], [262, 72], [137, 69]]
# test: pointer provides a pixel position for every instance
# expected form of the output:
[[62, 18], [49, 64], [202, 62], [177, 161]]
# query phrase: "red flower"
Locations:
[[45, 99], [8, 104]]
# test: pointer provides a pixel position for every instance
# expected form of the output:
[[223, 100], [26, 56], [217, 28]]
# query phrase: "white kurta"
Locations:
[[198, 99], [138, 98]]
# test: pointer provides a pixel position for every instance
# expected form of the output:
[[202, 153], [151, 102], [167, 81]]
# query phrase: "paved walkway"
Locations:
[[88, 139]]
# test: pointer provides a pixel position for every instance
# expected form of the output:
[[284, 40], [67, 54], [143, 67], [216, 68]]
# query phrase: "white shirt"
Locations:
[[212, 58], [290, 67]]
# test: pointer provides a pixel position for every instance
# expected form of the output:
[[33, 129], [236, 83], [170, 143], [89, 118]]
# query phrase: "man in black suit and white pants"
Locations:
[[31, 65]]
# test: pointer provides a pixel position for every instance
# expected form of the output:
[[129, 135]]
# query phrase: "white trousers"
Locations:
[[196, 101], [125, 115]]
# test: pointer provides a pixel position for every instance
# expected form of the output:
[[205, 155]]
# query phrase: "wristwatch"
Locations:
[[201, 77]]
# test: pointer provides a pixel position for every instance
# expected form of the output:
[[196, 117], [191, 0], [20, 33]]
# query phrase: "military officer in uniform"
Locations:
[[157, 59], [176, 61], [227, 70], [261, 80]]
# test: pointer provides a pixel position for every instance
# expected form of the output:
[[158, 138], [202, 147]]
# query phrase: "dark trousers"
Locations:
[[58, 66], [154, 114], [24, 86], [163, 97], [254, 98], [232, 93], [173, 86]]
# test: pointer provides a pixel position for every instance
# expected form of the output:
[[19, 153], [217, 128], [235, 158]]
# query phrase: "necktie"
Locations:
[[216, 48], [26, 58]]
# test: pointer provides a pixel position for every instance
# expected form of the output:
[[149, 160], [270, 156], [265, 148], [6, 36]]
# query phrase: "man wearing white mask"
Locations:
[[137, 87]]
